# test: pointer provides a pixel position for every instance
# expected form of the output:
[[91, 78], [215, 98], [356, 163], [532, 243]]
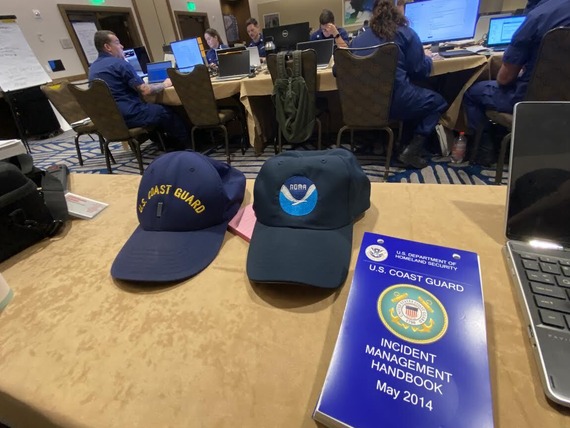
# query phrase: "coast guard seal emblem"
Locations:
[[298, 196], [412, 314]]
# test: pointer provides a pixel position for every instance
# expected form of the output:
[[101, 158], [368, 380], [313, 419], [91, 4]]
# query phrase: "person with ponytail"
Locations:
[[419, 108]]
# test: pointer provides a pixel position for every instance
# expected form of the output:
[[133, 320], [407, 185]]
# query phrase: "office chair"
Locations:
[[197, 95], [309, 73], [67, 105], [100, 106], [549, 82], [365, 85]]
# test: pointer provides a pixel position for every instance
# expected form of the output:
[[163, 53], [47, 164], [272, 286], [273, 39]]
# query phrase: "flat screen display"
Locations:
[[443, 20], [501, 30], [187, 54], [286, 37]]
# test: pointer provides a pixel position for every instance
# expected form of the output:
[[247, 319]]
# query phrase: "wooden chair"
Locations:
[[67, 105], [309, 73], [549, 82], [100, 106], [365, 85], [197, 96]]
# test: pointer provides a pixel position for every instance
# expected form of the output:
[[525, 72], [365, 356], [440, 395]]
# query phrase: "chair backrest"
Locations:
[[551, 74], [100, 106], [64, 101], [308, 71], [365, 84], [196, 94]]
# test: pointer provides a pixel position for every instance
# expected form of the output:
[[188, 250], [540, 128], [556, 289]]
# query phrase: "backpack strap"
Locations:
[[297, 62], [281, 70]]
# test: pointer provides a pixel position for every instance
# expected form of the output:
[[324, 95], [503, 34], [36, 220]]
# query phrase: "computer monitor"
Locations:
[[443, 20], [501, 30], [286, 37], [187, 54]]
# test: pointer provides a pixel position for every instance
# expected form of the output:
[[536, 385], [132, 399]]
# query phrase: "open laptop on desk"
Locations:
[[233, 66], [254, 59], [538, 231], [323, 48], [157, 71], [501, 31]]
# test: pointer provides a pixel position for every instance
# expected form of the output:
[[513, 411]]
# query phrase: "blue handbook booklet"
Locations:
[[412, 347]]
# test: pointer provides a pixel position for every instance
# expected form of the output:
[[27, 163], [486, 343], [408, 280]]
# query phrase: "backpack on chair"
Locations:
[[295, 113]]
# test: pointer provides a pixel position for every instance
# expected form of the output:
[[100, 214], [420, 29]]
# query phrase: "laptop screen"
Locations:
[[323, 49], [501, 30], [131, 58], [539, 184], [187, 54], [233, 63], [157, 71]]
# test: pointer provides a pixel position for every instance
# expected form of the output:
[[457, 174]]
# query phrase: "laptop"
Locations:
[[254, 60], [157, 71], [538, 231], [187, 54], [131, 58], [233, 65], [501, 31], [323, 48]]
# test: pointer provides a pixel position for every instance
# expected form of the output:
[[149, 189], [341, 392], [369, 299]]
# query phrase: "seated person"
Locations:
[[214, 41], [256, 37], [418, 107], [329, 30], [514, 75], [126, 87]]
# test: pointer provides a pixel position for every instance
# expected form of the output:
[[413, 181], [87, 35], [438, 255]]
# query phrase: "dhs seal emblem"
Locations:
[[298, 196], [412, 314], [376, 253]]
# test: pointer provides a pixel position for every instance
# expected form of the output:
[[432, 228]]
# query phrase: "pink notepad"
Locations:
[[243, 222]]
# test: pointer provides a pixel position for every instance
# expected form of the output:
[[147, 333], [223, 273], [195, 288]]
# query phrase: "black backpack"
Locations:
[[28, 213], [294, 111]]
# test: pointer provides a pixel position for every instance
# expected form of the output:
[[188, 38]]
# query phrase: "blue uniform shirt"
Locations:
[[211, 55], [318, 35], [523, 50], [260, 45], [123, 80]]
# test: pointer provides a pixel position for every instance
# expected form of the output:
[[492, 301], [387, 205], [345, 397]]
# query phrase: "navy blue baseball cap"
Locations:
[[305, 204], [185, 201]]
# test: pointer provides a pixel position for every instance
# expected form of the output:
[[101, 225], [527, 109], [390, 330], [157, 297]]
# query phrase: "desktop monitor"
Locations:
[[286, 37], [187, 54], [443, 20]]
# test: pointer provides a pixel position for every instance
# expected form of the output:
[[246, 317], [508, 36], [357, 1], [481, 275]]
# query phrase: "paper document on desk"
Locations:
[[82, 207], [6, 293], [477, 48]]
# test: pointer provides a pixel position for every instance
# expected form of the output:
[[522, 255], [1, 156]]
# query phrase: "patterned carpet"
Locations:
[[61, 149]]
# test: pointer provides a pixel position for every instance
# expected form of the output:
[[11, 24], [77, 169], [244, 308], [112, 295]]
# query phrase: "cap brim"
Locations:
[[156, 256], [305, 256]]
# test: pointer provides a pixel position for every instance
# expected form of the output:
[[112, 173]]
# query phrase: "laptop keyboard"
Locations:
[[549, 281]]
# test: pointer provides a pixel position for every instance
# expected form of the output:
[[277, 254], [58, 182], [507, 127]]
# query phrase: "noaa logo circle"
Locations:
[[298, 196], [376, 253], [412, 314]]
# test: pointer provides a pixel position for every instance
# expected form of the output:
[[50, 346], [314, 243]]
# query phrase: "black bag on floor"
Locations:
[[24, 216]]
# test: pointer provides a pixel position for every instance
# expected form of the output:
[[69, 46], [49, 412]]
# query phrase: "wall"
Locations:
[[210, 7], [292, 11]]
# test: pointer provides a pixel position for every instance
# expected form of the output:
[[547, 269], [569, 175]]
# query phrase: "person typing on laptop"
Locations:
[[214, 41], [256, 35], [419, 108], [514, 75], [126, 87]]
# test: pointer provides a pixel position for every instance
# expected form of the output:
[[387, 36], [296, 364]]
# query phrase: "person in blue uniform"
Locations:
[[252, 27], [419, 108], [214, 41], [514, 75], [127, 87], [329, 30]]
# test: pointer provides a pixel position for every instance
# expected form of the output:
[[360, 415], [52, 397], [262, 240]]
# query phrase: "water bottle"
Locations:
[[458, 149]]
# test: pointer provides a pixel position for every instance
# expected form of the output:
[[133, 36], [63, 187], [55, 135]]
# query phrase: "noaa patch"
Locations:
[[412, 314], [298, 196]]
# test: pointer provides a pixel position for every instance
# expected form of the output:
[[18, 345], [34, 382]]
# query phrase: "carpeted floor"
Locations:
[[61, 149]]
